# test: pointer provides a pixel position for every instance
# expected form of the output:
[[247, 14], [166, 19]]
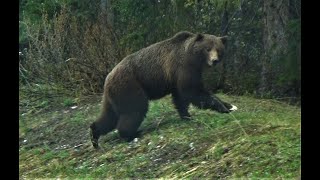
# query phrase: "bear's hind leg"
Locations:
[[131, 104], [106, 123], [128, 125]]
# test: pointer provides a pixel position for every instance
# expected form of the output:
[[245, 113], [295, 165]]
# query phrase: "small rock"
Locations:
[[157, 160], [191, 145]]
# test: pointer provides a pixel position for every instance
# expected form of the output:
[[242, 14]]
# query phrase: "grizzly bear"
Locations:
[[173, 66]]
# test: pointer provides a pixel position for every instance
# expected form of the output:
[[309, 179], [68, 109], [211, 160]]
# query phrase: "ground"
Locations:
[[262, 139]]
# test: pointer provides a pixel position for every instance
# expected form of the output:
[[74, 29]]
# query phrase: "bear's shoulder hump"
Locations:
[[181, 36]]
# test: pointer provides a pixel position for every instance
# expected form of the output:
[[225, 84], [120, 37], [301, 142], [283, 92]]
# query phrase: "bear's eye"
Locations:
[[208, 49]]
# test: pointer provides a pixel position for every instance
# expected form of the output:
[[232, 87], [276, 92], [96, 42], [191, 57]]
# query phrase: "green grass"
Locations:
[[260, 140]]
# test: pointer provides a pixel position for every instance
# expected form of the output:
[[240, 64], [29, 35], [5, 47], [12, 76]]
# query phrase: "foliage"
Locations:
[[288, 63], [62, 52], [70, 43]]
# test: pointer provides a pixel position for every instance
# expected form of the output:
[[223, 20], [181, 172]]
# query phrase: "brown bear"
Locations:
[[173, 66]]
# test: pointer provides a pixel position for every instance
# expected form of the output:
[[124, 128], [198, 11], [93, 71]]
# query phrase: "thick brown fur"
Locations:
[[173, 66]]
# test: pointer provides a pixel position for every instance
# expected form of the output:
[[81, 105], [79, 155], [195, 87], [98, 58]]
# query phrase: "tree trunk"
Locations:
[[276, 13], [107, 12], [224, 31]]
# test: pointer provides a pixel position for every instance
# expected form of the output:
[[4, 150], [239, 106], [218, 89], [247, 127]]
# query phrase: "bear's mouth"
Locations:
[[213, 62]]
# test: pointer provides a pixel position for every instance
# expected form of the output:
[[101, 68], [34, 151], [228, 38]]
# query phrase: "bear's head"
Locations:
[[209, 47]]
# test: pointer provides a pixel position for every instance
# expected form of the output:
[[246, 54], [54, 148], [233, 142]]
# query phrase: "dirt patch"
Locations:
[[56, 133]]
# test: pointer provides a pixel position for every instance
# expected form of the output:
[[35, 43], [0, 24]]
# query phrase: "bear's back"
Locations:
[[154, 67]]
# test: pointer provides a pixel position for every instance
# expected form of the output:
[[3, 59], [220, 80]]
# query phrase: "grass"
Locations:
[[259, 140]]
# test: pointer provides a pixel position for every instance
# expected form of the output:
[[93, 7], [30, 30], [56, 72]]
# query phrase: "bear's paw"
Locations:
[[233, 108]]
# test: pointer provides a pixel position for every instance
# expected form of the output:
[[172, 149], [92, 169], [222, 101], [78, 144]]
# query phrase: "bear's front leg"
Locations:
[[181, 105], [221, 106], [191, 89], [231, 107], [204, 100]]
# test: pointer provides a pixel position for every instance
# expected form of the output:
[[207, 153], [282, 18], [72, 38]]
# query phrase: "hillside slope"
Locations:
[[259, 140]]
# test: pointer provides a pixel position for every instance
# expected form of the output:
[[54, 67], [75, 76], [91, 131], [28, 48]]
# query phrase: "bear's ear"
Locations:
[[199, 37], [224, 39]]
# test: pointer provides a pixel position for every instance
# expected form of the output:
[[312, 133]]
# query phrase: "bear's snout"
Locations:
[[213, 57], [213, 61]]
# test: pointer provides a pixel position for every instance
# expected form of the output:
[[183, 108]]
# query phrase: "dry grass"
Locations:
[[68, 53]]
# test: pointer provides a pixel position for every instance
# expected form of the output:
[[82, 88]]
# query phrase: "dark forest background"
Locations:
[[69, 46]]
